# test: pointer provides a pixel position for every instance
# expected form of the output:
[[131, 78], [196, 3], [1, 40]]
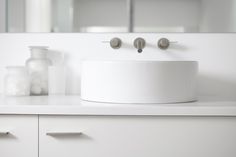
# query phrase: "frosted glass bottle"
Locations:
[[38, 69]]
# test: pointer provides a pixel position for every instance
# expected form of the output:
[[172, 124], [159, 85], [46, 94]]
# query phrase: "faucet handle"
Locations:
[[164, 43], [139, 43], [115, 43]]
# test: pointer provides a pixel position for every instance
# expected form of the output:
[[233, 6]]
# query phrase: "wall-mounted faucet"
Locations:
[[139, 43]]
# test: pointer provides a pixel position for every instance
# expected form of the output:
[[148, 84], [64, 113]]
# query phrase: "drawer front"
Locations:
[[18, 136], [114, 136]]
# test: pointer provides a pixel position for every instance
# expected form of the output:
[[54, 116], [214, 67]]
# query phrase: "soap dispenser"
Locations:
[[37, 66]]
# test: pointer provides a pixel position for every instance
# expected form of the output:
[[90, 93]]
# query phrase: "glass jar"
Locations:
[[56, 80], [38, 69], [17, 81]]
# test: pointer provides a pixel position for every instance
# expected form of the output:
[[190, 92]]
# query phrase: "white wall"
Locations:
[[2, 15], [215, 53]]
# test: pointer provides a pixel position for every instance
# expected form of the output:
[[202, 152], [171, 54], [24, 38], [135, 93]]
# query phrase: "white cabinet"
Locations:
[[117, 136], [136, 136], [18, 136]]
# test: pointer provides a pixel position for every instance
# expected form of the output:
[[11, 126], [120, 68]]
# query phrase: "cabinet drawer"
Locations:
[[134, 136], [18, 136]]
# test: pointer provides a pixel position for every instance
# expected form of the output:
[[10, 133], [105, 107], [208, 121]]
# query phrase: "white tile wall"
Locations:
[[216, 54]]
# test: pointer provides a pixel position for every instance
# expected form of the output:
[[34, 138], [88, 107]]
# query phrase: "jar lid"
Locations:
[[38, 51]]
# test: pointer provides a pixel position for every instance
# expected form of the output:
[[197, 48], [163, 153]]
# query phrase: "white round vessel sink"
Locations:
[[139, 81]]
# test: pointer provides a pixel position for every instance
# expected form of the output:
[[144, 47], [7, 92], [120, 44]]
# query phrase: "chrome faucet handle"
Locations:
[[139, 43], [164, 43]]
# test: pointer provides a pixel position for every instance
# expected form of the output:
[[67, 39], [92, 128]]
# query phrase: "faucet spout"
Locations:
[[140, 48], [139, 43]]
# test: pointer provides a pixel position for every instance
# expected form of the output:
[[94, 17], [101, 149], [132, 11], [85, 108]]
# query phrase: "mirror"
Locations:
[[88, 16]]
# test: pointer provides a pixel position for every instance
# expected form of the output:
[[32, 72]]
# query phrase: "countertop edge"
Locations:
[[73, 105]]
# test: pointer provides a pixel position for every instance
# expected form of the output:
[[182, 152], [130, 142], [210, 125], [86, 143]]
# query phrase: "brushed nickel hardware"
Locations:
[[115, 43], [63, 133], [139, 43], [164, 43]]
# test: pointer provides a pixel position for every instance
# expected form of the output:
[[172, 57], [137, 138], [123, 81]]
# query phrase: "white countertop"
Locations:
[[73, 105]]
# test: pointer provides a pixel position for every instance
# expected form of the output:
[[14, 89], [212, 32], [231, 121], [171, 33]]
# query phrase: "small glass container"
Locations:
[[17, 81], [37, 66], [56, 80]]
